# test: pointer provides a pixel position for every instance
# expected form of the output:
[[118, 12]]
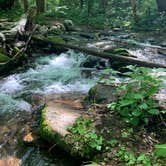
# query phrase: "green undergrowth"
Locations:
[[84, 139], [127, 132], [56, 39], [4, 58], [137, 105], [13, 15], [48, 134]]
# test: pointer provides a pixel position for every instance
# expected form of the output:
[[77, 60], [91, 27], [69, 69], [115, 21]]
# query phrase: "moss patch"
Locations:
[[82, 140], [56, 39], [4, 58]]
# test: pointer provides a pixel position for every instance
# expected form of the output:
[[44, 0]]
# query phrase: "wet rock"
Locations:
[[117, 29], [10, 161], [69, 25], [163, 44], [56, 118], [92, 62], [37, 102], [19, 44], [101, 93], [57, 29], [43, 30]]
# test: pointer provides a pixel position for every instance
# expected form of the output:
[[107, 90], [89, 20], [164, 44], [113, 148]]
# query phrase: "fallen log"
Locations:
[[114, 58], [127, 42]]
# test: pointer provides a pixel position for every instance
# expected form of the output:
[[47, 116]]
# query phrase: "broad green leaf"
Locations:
[[136, 113], [154, 111], [161, 150], [126, 102]]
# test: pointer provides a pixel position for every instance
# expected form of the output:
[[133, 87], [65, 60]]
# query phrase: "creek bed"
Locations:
[[51, 75]]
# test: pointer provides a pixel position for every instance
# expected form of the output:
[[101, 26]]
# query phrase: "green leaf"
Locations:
[[161, 150], [143, 106], [136, 113], [126, 102], [154, 111], [111, 106]]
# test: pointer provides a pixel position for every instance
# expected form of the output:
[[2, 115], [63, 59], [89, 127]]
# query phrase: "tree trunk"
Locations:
[[134, 8], [103, 5], [40, 4], [30, 19], [25, 5], [81, 4], [6, 4], [90, 7], [161, 5]]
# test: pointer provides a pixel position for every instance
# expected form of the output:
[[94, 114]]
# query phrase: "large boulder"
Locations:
[[101, 93]]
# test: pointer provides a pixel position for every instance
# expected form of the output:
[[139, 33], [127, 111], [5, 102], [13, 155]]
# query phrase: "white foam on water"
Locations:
[[52, 75], [8, 103], [11, 84], [77, 86]]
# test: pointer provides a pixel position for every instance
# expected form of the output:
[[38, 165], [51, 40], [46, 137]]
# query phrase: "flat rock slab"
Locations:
[[61, 114]]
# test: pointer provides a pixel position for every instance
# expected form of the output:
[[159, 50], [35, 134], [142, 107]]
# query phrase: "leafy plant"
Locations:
[[84, 138], [130, 159], [161, 150], [126, 156], [136, 104]]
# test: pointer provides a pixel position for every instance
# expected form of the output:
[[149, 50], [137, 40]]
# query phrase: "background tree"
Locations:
[[40, 4], [161, 5], [6, 4], [25, 5]]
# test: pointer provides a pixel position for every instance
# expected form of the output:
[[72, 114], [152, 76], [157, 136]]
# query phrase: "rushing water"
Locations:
[[51, 74]]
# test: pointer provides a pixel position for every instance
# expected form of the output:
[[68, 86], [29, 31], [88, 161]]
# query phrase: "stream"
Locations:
[[50, 75]]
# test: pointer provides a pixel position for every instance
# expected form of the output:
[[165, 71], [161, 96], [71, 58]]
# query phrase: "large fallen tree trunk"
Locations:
[[114, 58], [127, 42]]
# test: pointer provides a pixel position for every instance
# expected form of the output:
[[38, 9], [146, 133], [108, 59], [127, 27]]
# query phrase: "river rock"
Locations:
[[101, 93], [56, 118], [37, 102], [69, 25], [96, 62], [10, 161], [56, 29], [43, 30]]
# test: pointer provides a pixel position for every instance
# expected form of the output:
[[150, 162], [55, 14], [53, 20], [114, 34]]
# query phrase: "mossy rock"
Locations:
[[56, 39], [4, 58], [54, 124], [59, 125], [101, 93]]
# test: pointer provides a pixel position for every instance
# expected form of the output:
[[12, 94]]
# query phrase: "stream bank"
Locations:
[[65, 78]]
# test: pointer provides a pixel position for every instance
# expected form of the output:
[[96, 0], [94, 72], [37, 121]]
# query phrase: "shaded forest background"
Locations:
[[99, 13]]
